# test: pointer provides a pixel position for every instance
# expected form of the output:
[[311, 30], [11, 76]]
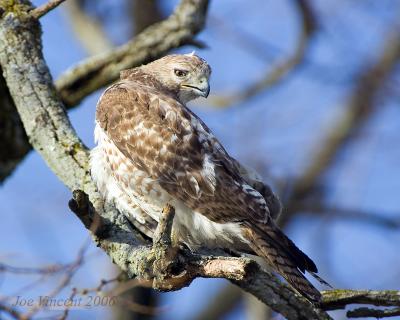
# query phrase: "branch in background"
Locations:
[[144, 14], [96, 72], [87, 30], [12, 312], [359, 109], [51, 134], [339, 299], [221, 304], [43, 9], [374, 313], [255, 309], [67, 271], [101, 70], [274, 77], [282, 69], [353, 214]]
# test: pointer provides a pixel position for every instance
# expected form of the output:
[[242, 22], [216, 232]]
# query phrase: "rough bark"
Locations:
[[51, 134], [93, 73]]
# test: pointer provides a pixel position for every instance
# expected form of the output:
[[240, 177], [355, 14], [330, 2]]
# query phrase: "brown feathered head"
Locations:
[[186, 74]]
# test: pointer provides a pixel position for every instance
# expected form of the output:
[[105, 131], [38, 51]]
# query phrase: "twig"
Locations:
[[145, 13], [45, 8], [71, 271], [53, 137], [220, 304], [359, 109], [87, 30], [12, 312], [26, 270], [282, 69], [373, 313], [339, 299], [374, 218]]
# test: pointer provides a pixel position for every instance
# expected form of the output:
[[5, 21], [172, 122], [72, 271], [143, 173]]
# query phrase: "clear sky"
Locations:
[[277, 132]]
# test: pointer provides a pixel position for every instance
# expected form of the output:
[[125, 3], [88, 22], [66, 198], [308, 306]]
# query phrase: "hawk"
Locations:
[[152, 150]]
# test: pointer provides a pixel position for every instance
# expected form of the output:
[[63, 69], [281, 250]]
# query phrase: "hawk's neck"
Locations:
[[143, 78]]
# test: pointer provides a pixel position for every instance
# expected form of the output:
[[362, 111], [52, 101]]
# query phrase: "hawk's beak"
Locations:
[[202, 88], [205, 90]]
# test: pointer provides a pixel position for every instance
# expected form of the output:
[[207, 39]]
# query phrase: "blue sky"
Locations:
[[277, 132]]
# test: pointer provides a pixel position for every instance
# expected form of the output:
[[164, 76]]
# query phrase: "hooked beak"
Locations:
[[202, 88]]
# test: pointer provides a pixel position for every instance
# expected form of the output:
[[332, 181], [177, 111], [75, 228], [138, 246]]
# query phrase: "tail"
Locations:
[[269, 242]]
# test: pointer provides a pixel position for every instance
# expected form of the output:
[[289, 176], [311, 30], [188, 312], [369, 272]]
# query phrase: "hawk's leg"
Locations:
[[167, 267]]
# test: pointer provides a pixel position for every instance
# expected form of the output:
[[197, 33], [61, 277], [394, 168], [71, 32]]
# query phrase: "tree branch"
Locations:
[[39, 12], [51, 134], [14, 313], [339, 299], [375, 313], [359, 109], [156, 40], [93, 73], [375, 218], [87, 30], [282, 69]]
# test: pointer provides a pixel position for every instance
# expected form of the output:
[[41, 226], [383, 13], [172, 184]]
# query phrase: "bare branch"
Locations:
[[282, 69], [145, 13], [52, 135], [339, 299], [43, 9], [359, 109], [374, 313], [87, 30], [14, 313], [374, 218], [96, 72]]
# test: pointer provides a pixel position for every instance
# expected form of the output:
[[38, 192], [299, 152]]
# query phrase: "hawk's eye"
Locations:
[[181, 73]]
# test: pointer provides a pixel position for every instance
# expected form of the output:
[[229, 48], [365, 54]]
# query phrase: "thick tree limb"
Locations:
[[51, 134], [98, 71]]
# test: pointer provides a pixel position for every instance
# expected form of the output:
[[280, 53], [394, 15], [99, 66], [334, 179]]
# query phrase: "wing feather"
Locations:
[[166, 140]]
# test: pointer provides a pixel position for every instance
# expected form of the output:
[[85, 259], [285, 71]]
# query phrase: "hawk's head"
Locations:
[[186, 74]]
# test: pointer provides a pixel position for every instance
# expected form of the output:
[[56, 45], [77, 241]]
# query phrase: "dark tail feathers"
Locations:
[[281, 253]]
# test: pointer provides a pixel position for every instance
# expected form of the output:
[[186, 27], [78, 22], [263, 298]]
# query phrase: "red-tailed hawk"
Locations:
[[152, 151]]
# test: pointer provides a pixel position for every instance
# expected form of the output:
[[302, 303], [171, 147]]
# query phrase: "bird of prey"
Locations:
[[152, 150]]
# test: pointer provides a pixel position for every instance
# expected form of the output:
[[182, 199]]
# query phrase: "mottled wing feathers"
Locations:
[[256, 182], [271, 243], [168, 142]]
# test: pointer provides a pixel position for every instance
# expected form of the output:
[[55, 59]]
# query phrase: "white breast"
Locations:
[[139, 197]]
